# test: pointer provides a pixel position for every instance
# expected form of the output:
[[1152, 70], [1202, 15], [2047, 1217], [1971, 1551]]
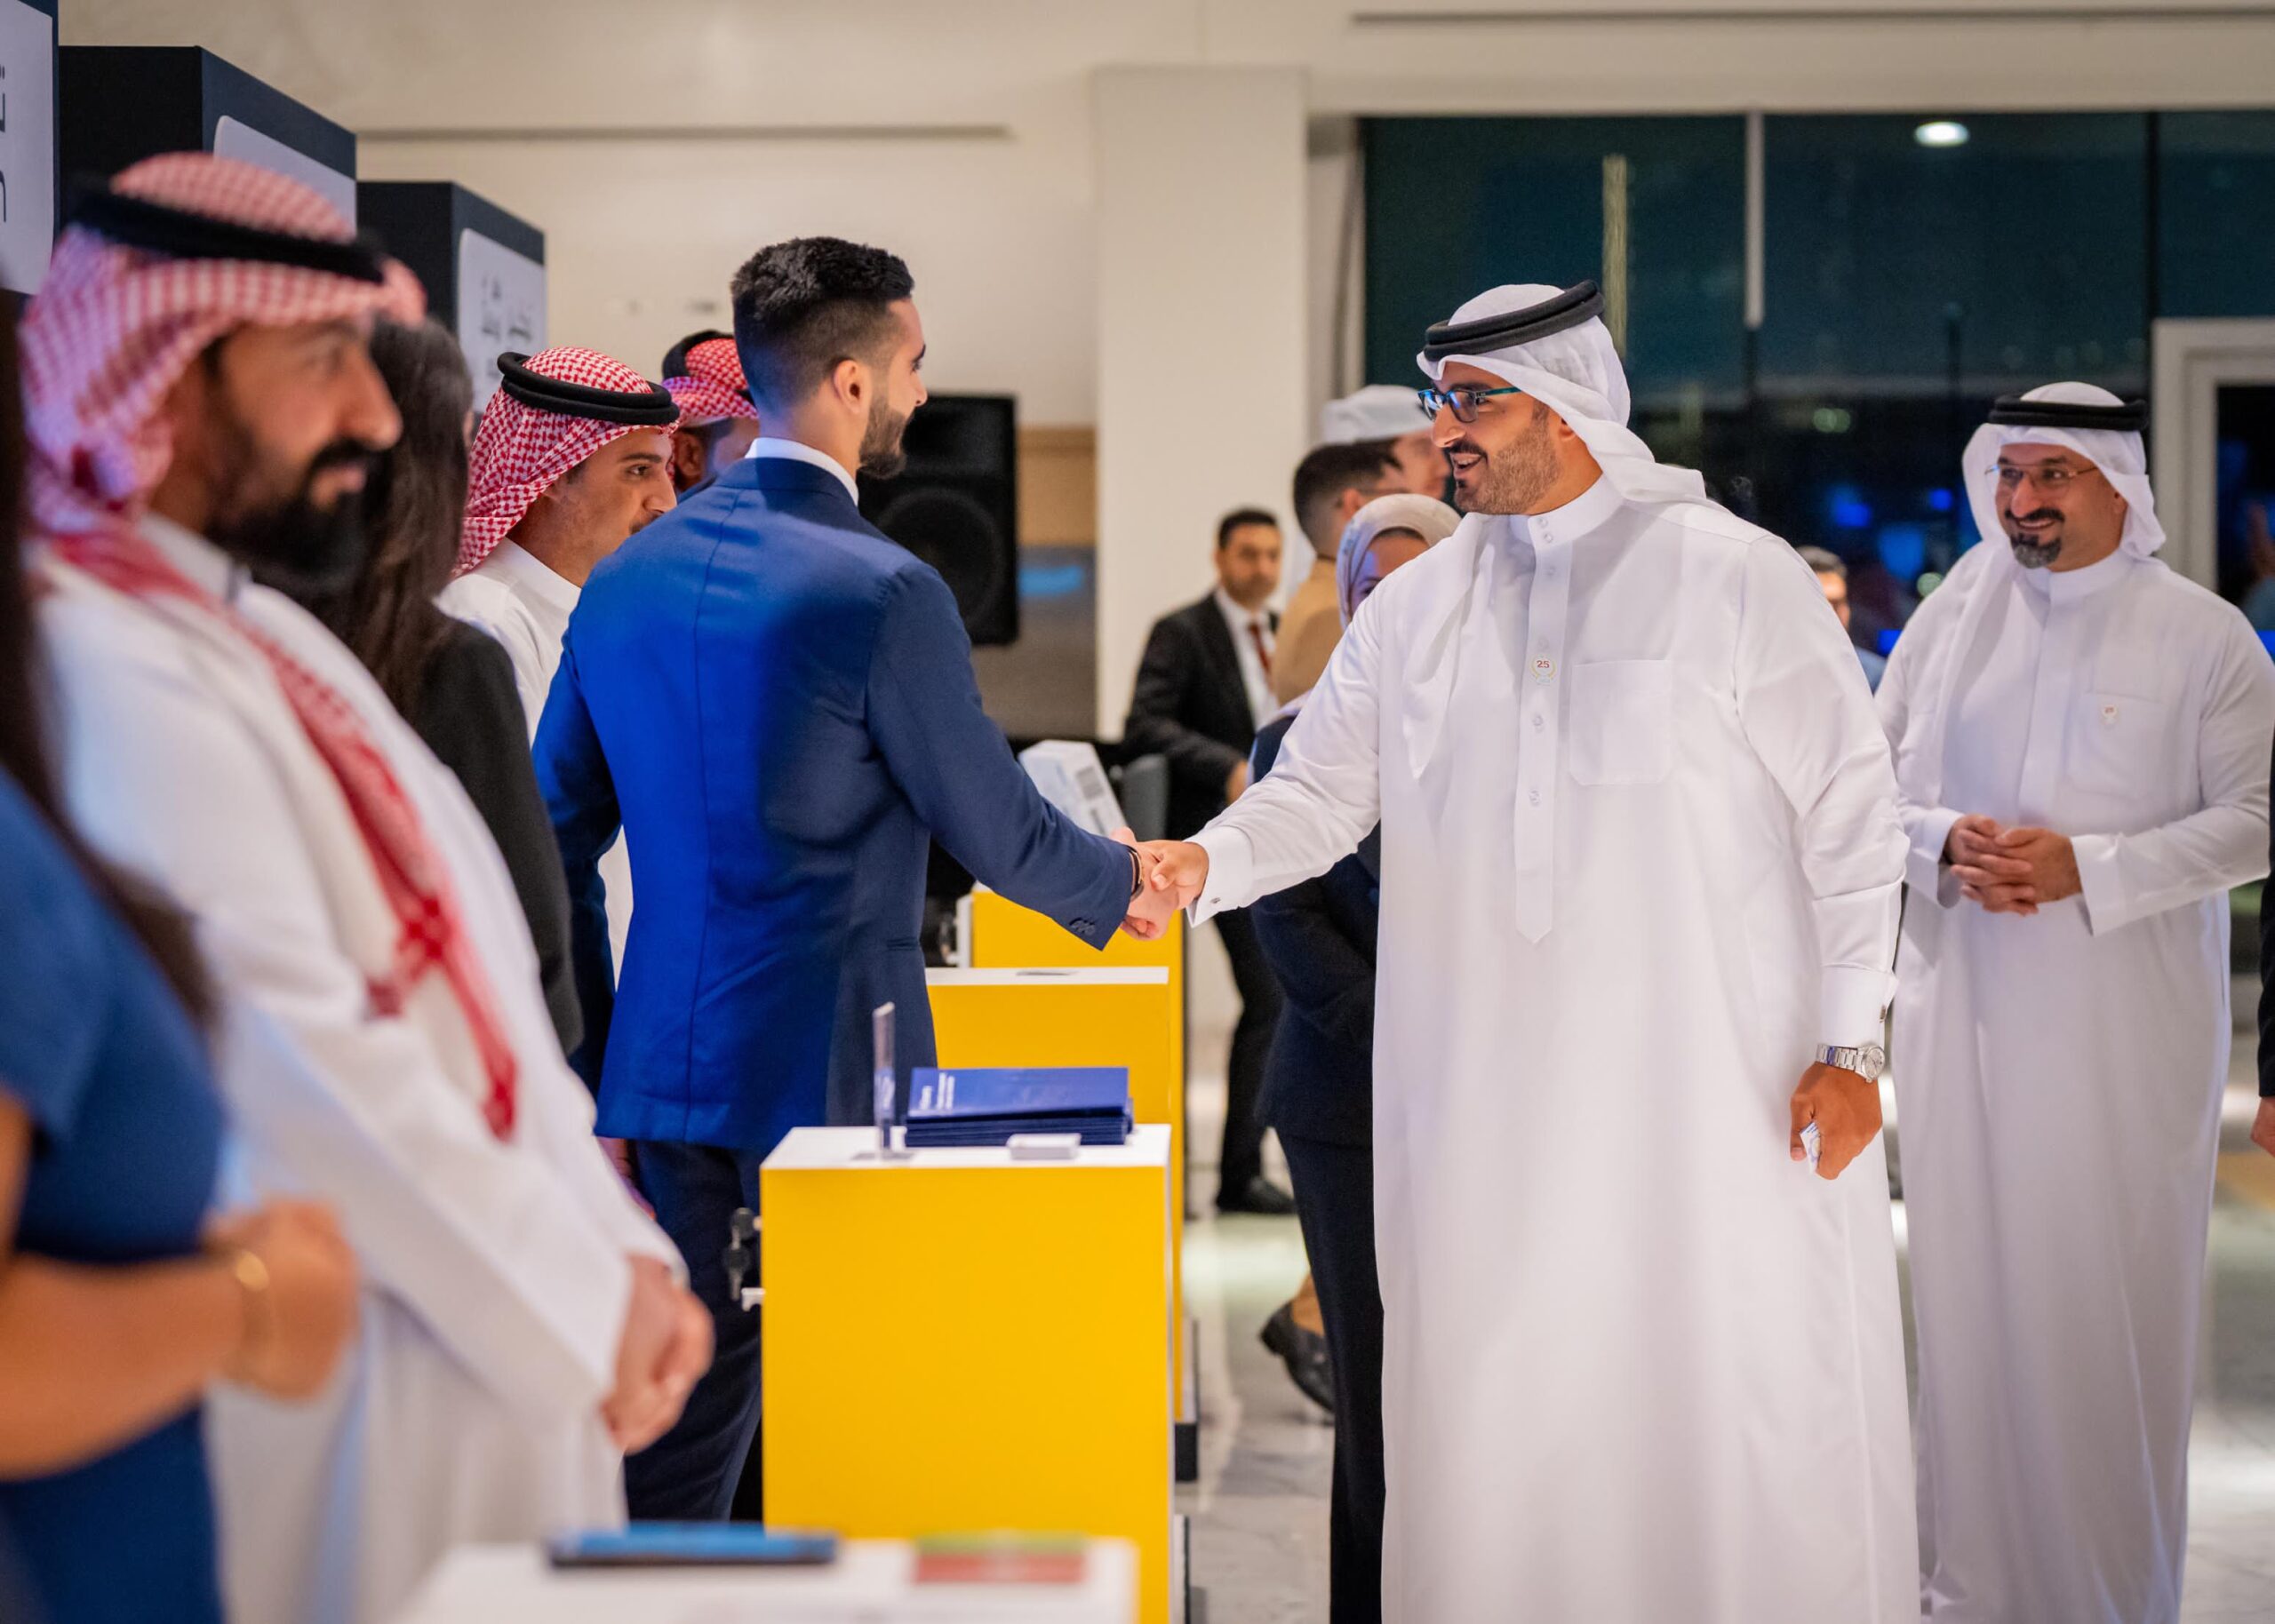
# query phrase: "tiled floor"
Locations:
[[1259, 1517]]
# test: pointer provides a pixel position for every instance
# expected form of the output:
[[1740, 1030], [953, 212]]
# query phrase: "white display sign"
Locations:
[[501, 306], [27, 145], [1072, 778], [232, 139]]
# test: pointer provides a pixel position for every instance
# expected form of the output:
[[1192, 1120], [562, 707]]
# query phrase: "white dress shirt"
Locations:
[[1247, 625], [798, 450]]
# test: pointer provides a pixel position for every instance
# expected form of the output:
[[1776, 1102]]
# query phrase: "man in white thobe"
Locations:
[[1640, 870], [198, 399], [572, 459], [2081, 746]]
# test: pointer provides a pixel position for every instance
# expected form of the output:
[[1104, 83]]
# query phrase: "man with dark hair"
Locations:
[[716, 420], [1832, 576], [1203, 689], [1332, 483], [776, 704], [1387, 415]]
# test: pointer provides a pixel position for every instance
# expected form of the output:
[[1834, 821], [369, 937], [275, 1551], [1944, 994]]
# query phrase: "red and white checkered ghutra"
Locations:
[[113, 330], [713, 388], [521, 450]]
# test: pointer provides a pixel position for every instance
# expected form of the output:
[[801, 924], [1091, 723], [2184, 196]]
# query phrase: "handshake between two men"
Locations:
[[1843, 1105], [1170, 874]]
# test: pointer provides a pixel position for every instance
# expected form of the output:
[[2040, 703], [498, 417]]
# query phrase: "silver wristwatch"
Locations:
[[1868, 1060]]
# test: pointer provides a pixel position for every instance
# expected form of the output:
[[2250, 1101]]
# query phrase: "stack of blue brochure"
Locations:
[[964, 1105]]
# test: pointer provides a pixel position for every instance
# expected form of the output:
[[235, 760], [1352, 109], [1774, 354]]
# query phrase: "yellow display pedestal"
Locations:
[[1003, 935], [960, 1340], [1127, 1017]]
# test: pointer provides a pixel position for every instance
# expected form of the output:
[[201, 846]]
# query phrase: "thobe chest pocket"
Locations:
[[2118, 743], [1621, 722]]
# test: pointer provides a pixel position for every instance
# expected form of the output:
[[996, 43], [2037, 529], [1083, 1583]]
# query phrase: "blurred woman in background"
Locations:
[[451, 681]]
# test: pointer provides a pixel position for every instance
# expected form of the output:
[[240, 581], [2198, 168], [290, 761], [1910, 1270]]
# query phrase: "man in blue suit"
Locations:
[[777, 703]]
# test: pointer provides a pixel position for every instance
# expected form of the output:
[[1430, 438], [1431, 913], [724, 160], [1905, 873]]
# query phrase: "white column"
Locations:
[[1203, 393]]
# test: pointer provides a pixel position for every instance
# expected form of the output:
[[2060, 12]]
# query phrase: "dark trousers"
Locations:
[[1335, 1203], [691, 1473], [1242, 1159]]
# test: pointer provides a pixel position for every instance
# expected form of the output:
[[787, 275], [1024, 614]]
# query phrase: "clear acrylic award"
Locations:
[[883, 1081]]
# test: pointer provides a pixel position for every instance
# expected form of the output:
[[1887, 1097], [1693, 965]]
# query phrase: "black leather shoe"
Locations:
[[1305, 1354], [1258, 1194]]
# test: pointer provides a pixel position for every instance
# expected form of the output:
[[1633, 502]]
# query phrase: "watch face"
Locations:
[[1875, 1060]]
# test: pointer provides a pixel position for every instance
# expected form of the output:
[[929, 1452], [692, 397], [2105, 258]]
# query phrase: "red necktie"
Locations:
[[1256, 631]]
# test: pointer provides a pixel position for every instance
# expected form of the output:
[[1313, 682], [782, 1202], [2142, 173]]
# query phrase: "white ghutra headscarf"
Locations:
[[1551, 344], [2054, 415]]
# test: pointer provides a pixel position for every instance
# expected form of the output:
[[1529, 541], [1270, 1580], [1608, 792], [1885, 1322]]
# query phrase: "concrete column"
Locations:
[[1203, 396]]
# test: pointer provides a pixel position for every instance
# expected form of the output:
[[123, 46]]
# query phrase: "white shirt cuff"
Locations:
[[1852, 1005], [1231, 868], [2101, 882], [1923, 867]]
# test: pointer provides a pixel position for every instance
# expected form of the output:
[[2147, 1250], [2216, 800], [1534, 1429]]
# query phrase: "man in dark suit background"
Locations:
[[1203, 689], [777, 705]]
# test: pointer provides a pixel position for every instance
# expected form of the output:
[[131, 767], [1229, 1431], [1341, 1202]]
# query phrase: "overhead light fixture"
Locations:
[[1941, 132]]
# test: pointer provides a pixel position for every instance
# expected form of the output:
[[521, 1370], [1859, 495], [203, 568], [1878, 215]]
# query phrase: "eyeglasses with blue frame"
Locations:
[[1462, 399]]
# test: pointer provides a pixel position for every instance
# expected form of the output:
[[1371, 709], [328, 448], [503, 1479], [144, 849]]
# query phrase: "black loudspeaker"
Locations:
[[956, 506]]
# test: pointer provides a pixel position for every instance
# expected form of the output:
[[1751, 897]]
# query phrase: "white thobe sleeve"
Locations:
[[2223, 844], [1807, 712], [501, 1258], [1926, 829], [1322, 796]]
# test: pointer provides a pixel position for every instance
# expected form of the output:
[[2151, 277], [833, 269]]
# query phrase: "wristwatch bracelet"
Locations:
[[1867, 1060]]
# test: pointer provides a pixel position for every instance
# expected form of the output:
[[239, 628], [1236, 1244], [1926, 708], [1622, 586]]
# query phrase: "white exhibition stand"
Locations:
[[872, 1582]]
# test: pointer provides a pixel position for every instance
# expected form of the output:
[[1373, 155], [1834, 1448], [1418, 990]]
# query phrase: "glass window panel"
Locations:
[[1905, 287], [2017, 257], [2215, 214], [2244, 470], [1458, 205]]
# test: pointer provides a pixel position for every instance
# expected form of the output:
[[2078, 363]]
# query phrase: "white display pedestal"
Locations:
[[872, 1582]]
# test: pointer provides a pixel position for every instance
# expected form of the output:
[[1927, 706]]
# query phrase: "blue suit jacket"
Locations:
[[777, 703]]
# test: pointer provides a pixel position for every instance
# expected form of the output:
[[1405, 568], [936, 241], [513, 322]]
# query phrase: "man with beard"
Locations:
[[716, 420], [1639, 866], [200, 401], [777, 705], [2082, 743]]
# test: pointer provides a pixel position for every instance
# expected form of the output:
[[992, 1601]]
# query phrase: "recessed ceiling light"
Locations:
[[1941, 132]]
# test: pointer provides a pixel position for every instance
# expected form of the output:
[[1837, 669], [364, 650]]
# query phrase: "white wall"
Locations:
[[642, 237], [659, 145], [1202, 331]]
